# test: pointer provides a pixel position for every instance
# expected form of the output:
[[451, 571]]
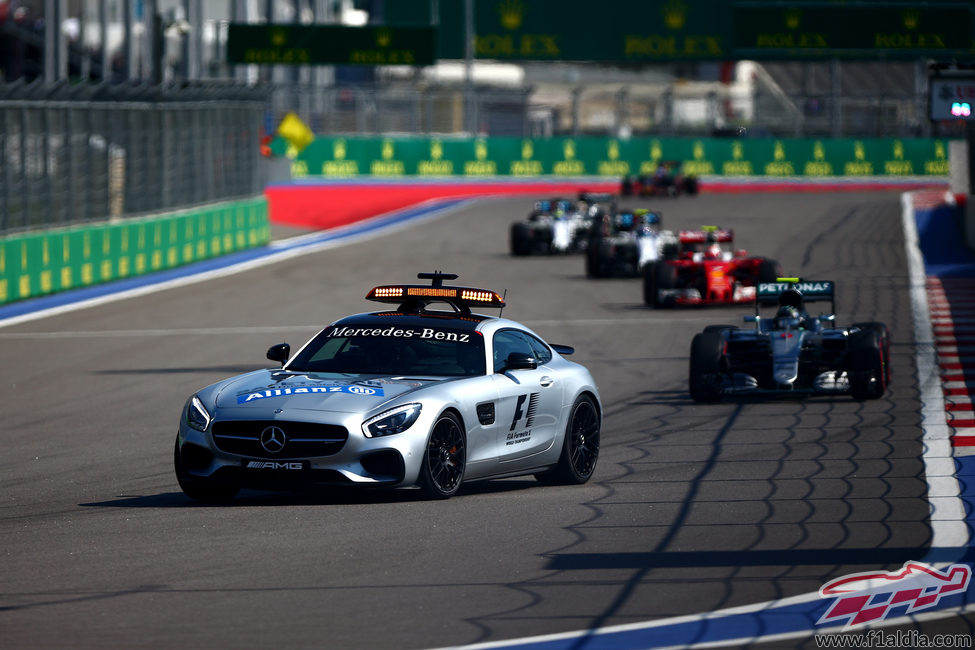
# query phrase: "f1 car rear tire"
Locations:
[[869, 361], [598, 258], [658, 276], [445, 458], [769, 270], [580, 448], [720, 328], [200, 489], [521, 239], [705, 366]]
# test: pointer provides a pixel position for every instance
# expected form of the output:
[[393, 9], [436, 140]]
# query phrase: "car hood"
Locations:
[[324, 392]]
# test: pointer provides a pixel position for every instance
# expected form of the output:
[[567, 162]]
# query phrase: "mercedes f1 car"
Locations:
[[707, 271], [622, 244], [411, 395], [791, 352]]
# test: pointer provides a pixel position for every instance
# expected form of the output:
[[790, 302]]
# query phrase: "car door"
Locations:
[[529, 400]]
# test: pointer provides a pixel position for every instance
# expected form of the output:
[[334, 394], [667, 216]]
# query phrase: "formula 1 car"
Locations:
[[622, 244], [408, 395], [791, 353], [707, 271], [668, 180], [553, 226]]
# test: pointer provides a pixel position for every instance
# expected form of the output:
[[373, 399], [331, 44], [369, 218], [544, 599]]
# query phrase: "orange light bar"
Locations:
[[432, 292], [459, 295], [479, 295], [386, 292]]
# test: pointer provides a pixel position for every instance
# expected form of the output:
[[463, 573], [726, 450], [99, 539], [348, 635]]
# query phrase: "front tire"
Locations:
[[580, 448], [869, 364], [704, 374], [521, 239], [658, 276], [445, 458]]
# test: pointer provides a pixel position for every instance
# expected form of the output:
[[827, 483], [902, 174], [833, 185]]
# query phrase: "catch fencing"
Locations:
[[71, 155]]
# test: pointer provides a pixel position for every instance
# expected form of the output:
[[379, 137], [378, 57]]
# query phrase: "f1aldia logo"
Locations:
[[872, 596]]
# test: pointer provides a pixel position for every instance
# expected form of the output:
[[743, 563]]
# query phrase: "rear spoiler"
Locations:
[[708, 234], [811, 291], [767, 293], [597, 197]]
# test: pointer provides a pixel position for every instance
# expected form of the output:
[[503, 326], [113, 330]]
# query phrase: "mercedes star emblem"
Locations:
[[273, 439]]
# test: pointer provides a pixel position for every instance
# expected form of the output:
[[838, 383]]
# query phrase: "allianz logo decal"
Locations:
[[246, 398]]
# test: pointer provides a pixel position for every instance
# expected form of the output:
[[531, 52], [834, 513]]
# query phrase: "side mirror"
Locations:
[[279, 352], [520, 361], [751, 319]]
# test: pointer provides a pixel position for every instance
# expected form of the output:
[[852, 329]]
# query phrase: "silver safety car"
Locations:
[[424, 393]]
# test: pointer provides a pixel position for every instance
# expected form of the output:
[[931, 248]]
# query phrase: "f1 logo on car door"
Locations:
[[527, 414], [529, 399]]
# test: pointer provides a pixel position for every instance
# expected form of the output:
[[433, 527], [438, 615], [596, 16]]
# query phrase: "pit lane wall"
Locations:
[[39, 263]]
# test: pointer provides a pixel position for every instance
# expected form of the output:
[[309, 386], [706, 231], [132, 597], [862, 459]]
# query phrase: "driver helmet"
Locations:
[[785, 316], [791, 297], [713, 252]]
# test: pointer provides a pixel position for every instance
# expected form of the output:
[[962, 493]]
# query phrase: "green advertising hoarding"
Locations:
[[338, 157], [40, 263]]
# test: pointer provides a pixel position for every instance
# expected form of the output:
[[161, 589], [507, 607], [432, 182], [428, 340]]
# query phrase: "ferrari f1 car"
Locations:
[[410, 395], [668, 180], [706, 272], [623, 243], [553, 226], [791, 352]]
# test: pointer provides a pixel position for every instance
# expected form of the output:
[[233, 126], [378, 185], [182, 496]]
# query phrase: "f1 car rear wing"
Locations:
[[413, 298], [706, 235], [769, 293], [597, 197]]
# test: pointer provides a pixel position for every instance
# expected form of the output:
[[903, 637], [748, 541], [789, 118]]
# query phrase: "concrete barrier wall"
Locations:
[[39, 263]]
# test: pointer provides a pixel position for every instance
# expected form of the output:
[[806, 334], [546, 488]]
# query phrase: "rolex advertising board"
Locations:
[[347, 157]]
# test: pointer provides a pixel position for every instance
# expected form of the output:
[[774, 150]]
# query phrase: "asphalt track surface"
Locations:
[[693, 508]]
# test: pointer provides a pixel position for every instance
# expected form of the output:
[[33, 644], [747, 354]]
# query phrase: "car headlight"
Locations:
[[392, 421], [197, 415]]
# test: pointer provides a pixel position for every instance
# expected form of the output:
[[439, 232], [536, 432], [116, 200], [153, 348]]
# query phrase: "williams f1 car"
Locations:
[[554, 226], [791, 352], [707, 271], [411, 395], [622, 244]]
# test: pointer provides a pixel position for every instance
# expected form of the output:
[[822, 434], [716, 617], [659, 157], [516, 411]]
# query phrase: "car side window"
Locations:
[[506, 342], [540, 351]]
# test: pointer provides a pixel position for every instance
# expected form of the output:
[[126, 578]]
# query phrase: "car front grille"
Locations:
[[302, 439]]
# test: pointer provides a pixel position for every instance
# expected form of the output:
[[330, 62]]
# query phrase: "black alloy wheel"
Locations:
[[445, 459], [580, 450]]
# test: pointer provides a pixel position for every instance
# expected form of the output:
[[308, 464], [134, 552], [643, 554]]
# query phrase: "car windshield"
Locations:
[[393, 350]]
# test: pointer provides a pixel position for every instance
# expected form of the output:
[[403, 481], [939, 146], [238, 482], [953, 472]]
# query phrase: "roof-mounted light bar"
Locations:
[[414, 297]]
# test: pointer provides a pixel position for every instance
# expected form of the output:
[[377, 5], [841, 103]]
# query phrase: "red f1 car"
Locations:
[[707, 271]]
